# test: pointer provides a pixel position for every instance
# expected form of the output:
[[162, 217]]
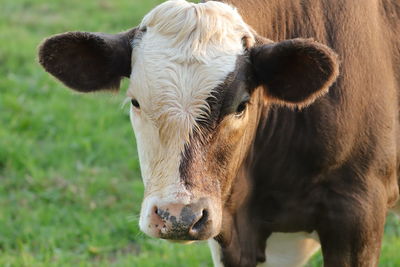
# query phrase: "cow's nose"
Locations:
[[182, 222]]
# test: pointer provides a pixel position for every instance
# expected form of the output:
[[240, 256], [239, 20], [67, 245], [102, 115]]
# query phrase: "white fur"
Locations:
[[216, 254], [186, 52], [283, 250], [290, 250]]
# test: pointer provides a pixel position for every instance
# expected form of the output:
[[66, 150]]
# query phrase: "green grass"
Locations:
[[70, 188]]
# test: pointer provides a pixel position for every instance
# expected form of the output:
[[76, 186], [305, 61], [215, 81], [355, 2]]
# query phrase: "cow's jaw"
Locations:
[[179, 61]]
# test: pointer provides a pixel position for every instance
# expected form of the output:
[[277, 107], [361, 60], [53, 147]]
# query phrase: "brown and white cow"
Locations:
[[257, 144]]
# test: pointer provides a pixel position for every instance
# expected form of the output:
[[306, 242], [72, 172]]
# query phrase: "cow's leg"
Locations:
[[351, 230], [283, 250]]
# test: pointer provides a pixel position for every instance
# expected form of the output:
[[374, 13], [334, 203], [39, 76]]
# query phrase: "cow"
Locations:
[[267, 127]]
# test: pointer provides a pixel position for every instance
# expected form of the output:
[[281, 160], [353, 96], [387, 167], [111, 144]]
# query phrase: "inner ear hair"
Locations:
[[87, 61]]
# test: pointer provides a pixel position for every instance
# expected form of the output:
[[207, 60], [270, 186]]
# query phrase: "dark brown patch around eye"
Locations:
[[241, 108]]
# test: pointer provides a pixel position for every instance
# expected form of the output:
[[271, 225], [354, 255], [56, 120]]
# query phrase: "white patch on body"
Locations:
[[216, 254], [283, 249], [290, 249], [186, 51]]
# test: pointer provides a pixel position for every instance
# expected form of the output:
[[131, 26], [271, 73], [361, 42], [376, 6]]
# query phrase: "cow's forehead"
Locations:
[[185, 52]]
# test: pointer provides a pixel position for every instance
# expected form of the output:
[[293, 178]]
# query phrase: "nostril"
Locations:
[[201, 222], [162, 214]]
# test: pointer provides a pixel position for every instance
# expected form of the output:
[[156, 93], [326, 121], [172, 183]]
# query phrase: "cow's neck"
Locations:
[[246, 228], [243, 240]]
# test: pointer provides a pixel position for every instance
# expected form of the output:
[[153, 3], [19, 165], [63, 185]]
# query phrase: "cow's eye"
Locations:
[[135, 103], [241, 108]]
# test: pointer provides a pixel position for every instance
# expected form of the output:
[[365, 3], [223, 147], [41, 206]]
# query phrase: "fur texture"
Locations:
[[186, 51]]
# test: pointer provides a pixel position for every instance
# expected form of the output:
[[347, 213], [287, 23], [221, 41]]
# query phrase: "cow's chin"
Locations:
[[181, 222]]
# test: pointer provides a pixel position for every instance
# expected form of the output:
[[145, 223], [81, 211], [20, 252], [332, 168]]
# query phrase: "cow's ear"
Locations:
[[294, 72], [87, 61]]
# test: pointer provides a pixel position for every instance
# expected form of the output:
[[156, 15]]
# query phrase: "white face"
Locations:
[[185, 52]]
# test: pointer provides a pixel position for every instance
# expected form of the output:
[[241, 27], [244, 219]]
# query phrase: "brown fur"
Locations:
[[331, 167]]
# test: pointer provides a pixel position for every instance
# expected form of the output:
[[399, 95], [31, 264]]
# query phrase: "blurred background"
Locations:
[[70, 187]]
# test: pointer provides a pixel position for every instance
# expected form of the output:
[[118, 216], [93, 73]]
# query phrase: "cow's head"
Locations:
[[200, 79]]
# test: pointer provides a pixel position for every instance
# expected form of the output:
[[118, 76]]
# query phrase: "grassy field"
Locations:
[[70, 187]]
